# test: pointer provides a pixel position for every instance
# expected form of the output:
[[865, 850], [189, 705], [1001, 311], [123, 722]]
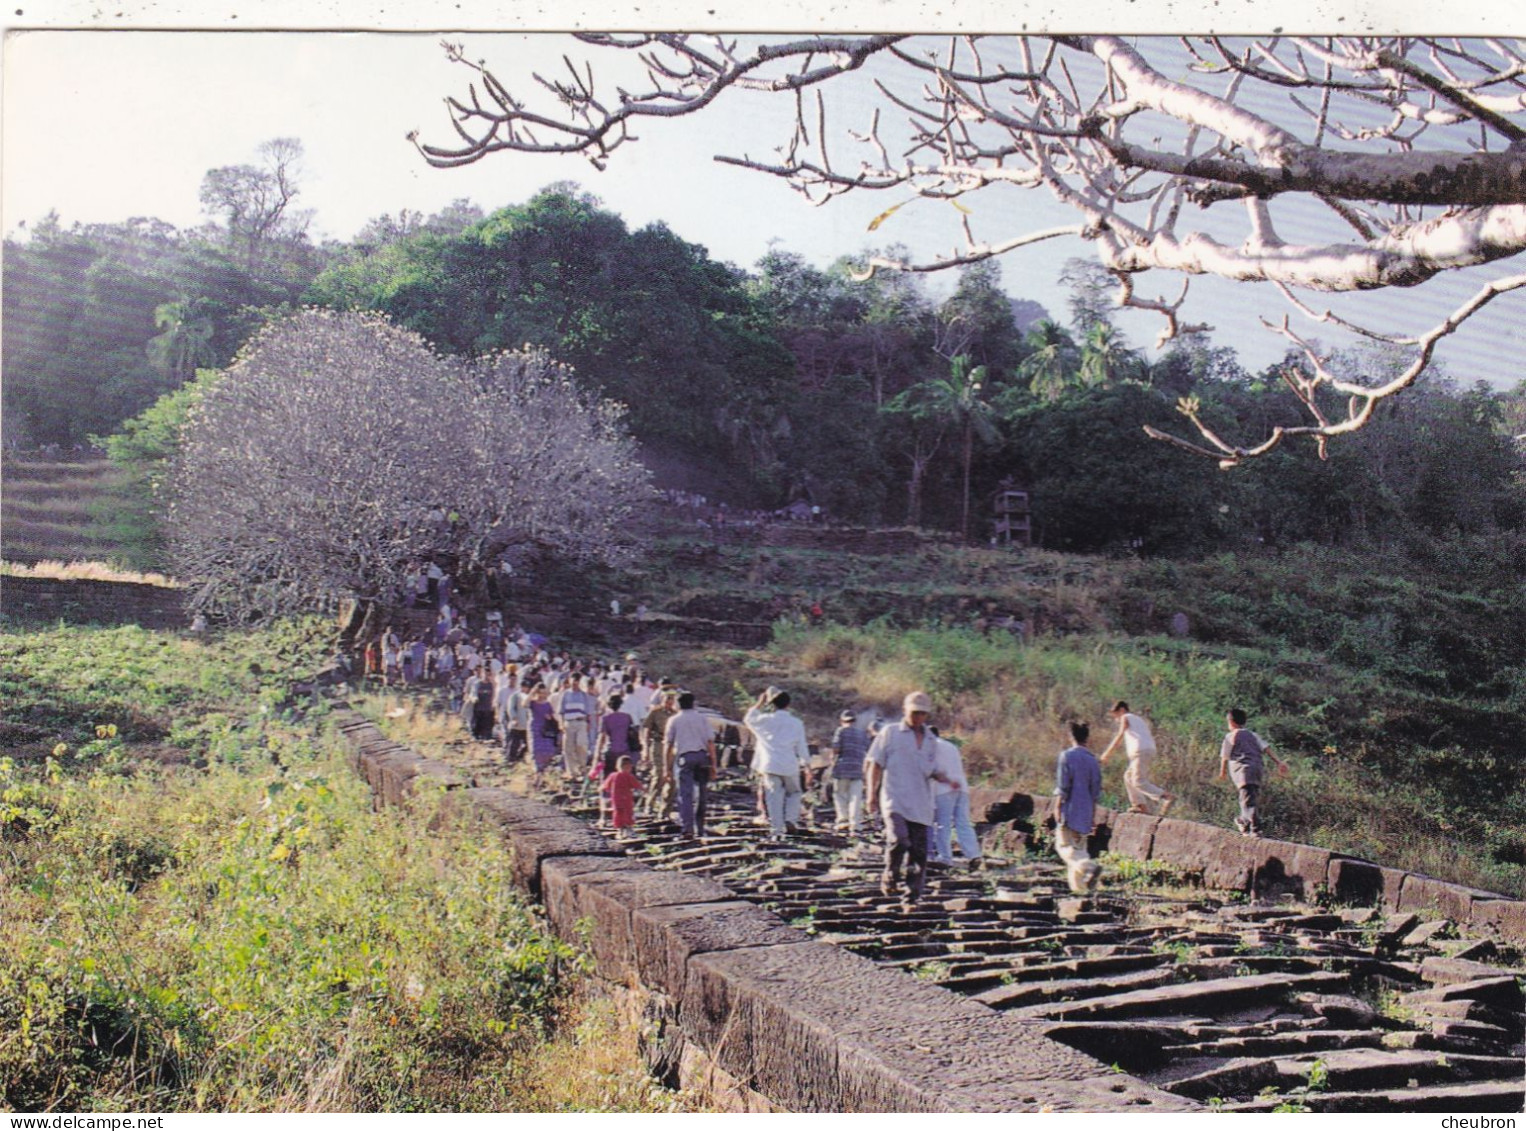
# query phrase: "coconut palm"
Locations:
[[959, 399], [1051, 361], [1104, 357]]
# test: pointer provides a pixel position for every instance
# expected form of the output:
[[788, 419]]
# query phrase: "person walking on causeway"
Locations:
[[781, 759], [1139, 744], [690, 742], [849, 745], [621, 788], [901, 765], [1077, 785]]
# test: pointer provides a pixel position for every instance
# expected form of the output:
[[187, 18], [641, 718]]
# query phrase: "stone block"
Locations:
[[1223, 860], [577, 889], [1426, 894], [992, 806], [1357, 881], [388, 770], [1133, 835], [535, 842], [666, 937], [1283, 866], [1505, 918], [440, 774], [505, 808], [566, 883], [1102, 835]]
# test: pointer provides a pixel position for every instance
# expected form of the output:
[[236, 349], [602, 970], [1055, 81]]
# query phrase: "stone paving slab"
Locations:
[[1188, 998]]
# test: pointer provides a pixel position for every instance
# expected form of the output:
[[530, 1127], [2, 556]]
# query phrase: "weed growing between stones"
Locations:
[[1154, 875]]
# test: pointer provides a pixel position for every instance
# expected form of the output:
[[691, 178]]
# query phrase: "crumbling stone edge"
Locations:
[[734, 994], [1226, 861]]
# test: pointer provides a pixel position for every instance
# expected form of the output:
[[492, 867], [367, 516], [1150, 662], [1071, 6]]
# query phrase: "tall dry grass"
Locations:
[[84, 571], [1009, 702]]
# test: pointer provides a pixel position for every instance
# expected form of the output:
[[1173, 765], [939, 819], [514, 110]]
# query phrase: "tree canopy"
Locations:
[[339, 450], [1174, 156]]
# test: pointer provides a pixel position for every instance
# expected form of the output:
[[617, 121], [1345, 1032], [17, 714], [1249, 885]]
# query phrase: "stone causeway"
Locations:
[[1231, 973]]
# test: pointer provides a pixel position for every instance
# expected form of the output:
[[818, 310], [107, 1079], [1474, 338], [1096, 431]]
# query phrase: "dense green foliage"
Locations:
[[200, 911], [643, 317], [101, 320], [145, 451], [762, 386]]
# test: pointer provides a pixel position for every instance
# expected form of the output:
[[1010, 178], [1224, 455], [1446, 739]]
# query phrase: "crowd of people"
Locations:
[[609, 728], [719, 516]]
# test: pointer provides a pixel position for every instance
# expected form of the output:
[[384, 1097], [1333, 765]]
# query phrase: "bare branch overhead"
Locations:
[[1179, 156]]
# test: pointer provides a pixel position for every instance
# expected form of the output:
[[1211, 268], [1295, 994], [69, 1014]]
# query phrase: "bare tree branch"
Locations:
[[1415, 145]]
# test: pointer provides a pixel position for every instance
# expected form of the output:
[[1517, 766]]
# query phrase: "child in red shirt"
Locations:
[[622, 787]]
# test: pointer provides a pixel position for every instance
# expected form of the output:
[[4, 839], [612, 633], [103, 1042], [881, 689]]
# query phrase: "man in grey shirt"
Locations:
[[900, 765], [689, 740], [1240, 756]]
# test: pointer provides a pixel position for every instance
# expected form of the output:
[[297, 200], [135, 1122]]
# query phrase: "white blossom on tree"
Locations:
[[339, 450], [1178, 156]]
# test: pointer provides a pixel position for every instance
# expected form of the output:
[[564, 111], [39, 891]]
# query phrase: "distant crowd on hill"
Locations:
[[719, 515]]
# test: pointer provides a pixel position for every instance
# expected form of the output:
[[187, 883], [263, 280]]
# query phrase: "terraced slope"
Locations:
[[45, 509]]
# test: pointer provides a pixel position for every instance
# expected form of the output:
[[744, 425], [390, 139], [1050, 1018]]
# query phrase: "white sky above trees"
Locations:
[[103, 125]]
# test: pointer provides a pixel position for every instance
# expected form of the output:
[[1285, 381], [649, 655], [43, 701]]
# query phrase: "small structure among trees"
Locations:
[[339, 451], [1013, 525]]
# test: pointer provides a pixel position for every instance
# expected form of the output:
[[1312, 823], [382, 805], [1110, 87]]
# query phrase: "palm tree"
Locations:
[[1048, 367], [184, 344], [1104, 357], [959, 398]]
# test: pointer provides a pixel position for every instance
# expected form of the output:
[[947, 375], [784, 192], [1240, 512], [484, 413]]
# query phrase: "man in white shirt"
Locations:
[[951, 803], [1139, 744], [900, 767], [689, 743], [780, 757]]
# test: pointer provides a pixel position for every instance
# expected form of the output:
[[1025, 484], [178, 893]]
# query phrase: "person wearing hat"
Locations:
[[849, 745], [780, 758], [901, 767]]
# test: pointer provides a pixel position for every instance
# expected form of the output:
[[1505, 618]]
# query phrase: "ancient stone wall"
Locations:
[[789, 1021], [1227, 861], [46, 600]]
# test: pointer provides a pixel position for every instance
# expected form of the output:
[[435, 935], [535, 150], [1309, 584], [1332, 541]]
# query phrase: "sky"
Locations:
[[103, 125]]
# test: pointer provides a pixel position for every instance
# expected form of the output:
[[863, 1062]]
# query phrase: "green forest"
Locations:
[[875, 399]]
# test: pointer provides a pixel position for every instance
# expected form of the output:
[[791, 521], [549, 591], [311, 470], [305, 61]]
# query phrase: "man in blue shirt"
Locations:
[[1077, 785]]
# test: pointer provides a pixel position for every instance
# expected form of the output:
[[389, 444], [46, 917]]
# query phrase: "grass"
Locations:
[[47, 509], [1008, 701], [83, 571], [238, 930]]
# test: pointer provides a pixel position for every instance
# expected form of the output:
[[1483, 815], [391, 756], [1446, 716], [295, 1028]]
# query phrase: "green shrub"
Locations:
[[251, 935]]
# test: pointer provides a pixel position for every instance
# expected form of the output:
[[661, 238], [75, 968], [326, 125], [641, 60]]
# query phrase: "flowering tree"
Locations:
[[340, 449], [1188, 157]]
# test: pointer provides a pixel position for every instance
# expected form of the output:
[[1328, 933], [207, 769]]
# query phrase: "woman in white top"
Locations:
[[1139, 744]]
